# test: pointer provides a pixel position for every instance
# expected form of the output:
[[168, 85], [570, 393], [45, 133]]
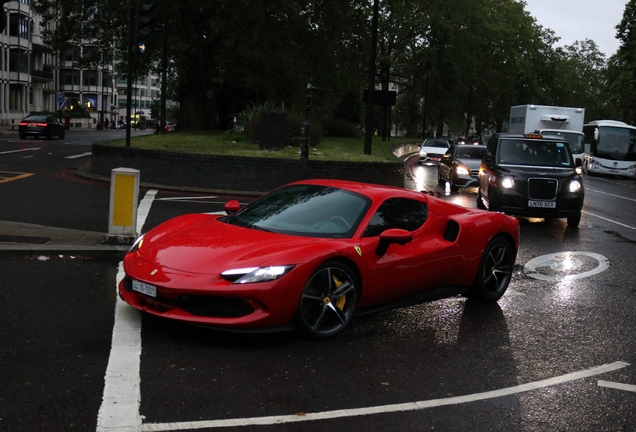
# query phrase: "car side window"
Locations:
[[401, 213]]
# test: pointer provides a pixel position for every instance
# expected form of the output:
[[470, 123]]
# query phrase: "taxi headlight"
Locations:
[[575, 186], [507, 182]]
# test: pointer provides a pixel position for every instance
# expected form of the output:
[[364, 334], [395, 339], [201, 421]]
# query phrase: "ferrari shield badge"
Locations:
[[152, 273], [357, 248]]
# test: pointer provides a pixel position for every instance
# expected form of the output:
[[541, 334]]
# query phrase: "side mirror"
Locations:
[[390, 236], [578, 162], [596, 134], [231, 207]]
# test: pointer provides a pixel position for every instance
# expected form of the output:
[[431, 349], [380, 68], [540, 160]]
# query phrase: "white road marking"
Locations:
[[618, 386], [612, 195], [609, 220], [122, 393], [564, 266], [185, 198], [412, 406], [119, 411], [21, 150], [144, 208], [78, 155]]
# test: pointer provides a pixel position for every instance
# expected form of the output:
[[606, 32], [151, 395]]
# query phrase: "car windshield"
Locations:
[[469, 152], [441, 144], [305, 210], [534, 152]]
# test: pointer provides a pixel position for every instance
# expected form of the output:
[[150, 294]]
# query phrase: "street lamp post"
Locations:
[[368, 136]]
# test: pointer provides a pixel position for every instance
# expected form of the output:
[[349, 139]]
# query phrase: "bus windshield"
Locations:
[[615, 143]]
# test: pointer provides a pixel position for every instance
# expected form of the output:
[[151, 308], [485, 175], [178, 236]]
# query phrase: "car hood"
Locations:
[[528, 171], [471, 163], [438, 150], [198, 244]]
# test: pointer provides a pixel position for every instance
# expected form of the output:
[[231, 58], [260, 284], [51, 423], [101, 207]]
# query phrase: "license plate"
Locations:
[[542, 204], [144, 288], [436, 159], [613, 171], [32, 125]]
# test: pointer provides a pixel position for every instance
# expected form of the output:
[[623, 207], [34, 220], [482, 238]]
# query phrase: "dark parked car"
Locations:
[[531, 176], [460, 166], [41, 125]]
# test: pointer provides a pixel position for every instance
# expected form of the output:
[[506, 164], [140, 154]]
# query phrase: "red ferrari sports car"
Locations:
[[313, 253]]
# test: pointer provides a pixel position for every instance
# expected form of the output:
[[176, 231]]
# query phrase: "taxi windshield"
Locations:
[[534, 153]]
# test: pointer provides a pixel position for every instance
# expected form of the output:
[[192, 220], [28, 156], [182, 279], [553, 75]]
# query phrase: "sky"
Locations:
[[574, 20]]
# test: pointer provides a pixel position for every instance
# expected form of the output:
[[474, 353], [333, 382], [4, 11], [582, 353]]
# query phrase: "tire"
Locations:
[[328, 301], [573, 221], [480, 203], [440, 180], [494, 272], [62, 134], [453, 186]]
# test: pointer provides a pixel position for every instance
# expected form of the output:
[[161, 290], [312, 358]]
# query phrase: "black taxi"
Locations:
[[532, 176]]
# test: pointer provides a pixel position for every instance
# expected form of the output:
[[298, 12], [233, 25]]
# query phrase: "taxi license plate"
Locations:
[[542, 204], [144, 288]]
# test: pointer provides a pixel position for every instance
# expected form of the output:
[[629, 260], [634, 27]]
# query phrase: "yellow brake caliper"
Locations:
[[340, 302]]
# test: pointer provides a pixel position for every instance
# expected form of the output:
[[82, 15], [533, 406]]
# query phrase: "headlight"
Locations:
[[575, 186], [507, 182], [256, 274], [137, 244], [422, 152], [462, 170]]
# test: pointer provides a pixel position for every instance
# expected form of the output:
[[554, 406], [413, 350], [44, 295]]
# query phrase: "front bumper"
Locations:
[[513, 203]]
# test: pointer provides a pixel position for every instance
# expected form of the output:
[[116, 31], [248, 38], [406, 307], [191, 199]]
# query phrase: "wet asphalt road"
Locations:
[[557, 353]]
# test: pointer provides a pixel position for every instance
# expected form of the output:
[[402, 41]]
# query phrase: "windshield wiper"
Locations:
[[259, 228]]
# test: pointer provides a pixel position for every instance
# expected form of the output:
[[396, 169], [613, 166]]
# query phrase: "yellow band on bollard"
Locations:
[[124, 195], [123, 200]]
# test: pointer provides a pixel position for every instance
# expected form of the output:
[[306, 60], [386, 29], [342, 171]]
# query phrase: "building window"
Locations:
[[15, 97], [19, 26], [18, 61], [89, 78], [71, 54], [70, 77]]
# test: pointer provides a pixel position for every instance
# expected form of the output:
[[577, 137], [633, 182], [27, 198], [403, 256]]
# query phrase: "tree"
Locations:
[[622, 67]]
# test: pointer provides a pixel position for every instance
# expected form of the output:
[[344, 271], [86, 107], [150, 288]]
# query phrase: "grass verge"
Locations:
[[234, 144]]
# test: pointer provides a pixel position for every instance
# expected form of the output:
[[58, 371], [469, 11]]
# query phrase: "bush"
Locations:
[[250, 121], [341, 128]]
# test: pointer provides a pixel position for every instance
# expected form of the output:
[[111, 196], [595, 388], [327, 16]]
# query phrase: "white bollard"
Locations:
[[124, 198]]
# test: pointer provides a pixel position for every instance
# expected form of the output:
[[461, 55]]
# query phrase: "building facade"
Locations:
[[34, 78]]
